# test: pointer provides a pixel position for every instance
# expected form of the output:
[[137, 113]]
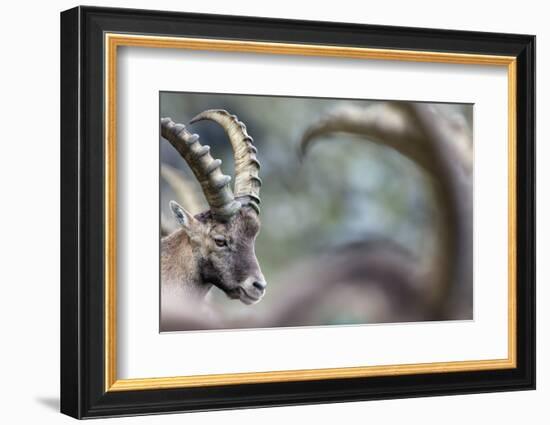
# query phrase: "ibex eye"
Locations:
[[220, 241]]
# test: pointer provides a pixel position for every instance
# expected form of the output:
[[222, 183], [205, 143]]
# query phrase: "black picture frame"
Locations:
[[83, 392]]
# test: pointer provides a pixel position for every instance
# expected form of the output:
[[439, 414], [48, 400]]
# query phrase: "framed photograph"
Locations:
[[261, 212]]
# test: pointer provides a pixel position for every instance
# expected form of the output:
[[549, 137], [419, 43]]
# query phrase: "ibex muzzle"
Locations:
[[215, 247]]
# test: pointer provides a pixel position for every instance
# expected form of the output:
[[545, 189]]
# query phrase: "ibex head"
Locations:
[[222, 238]]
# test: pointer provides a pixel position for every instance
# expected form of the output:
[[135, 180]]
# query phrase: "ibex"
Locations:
[[215, 247]]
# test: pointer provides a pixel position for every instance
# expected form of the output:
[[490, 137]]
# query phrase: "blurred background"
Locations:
[[348, 234]]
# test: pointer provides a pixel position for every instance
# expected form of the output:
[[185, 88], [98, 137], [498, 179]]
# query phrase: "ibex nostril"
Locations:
[[259, 285]]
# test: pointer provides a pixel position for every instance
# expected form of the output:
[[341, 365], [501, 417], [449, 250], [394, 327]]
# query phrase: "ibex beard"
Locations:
[[216, 247]]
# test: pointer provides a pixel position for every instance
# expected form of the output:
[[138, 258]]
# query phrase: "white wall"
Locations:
[[29, 229]]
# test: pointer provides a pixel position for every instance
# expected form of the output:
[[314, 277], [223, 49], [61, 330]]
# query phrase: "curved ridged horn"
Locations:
[[214, 183], [247, 166]]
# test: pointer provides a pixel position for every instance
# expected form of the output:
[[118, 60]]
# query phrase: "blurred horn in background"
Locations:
[[184, 194], [440, 147]]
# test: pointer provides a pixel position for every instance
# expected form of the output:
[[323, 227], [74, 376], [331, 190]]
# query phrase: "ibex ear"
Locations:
[[182, 216]]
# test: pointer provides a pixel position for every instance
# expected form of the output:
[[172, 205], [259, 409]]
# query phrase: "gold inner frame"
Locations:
[[113, 41]]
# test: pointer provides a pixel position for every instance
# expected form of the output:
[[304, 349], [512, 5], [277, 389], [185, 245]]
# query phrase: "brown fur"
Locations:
[[192, 262]]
